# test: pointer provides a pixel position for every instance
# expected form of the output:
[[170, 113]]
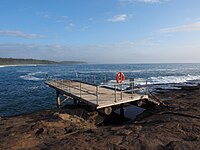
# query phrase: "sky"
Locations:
[[101, 31]]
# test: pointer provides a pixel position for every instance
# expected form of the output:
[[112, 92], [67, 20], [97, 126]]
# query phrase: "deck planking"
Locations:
[[97, 96]]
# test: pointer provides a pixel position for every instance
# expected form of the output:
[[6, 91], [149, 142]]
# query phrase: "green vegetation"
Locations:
[[14, 61]]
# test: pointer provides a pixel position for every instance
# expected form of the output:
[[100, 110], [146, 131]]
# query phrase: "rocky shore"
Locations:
[[174, 127]]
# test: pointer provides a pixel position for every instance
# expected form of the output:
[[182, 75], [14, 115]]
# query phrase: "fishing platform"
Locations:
[[98, 97]]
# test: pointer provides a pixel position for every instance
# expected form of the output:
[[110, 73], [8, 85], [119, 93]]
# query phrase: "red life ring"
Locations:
[[120, 77]]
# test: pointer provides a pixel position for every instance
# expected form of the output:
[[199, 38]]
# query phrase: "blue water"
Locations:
[[22, 88]]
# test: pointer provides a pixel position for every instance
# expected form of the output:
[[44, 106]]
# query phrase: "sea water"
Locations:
[[22, 88]]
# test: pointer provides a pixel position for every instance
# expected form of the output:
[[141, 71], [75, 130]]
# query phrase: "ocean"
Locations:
[[22, 88]]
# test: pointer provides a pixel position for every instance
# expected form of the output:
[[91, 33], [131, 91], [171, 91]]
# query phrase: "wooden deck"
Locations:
[[95, 96]]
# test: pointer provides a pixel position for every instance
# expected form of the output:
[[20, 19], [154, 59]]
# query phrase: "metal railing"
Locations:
[[68, 87], [129, 87], [92, 79]]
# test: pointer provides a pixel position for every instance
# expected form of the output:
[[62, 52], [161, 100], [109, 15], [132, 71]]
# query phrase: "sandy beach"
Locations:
[[174, 127]]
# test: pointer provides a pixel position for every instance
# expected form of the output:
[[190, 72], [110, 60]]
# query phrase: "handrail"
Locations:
[[118, 88], [76, 88]]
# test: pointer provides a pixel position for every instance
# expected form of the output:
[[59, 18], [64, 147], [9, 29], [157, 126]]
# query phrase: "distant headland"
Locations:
[[17, 61]]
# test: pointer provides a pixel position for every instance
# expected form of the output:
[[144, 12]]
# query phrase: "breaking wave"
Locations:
[[164, 82], [35, 76], [172, 79]]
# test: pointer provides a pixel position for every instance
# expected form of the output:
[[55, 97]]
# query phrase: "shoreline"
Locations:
[[21, 65], [176, 126]]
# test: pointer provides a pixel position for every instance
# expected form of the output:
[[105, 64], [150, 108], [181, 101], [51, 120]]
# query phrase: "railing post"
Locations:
[[81, 78], [94, 79], [146, 88], [56, 82], [62, 84], [80, 90], [69, 85], [97, 94], [115, 94], [76, 76], [46, 77], [132, 88], [121, 91]]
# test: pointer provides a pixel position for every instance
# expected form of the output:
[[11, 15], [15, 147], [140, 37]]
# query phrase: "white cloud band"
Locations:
[[20, 34], [119, 18], [184, 28]]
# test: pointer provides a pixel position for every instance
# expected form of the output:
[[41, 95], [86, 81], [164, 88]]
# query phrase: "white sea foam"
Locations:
[[164, 82], [109, 71], [19, 65], [126, 84], [34, 76], [34, 88], [31, 78], [96, 71], [113, 83], [172, 79], [161, 70]]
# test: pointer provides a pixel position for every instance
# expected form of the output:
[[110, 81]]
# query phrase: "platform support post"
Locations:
[[58, 100], [121, 92], [122, 112], [115, 94], [74, 101]]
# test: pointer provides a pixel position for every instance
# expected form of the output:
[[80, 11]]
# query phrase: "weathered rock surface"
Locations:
[[174, 127]]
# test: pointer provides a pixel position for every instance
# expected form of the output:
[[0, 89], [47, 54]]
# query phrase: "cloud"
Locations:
[[70, 26], [140, 51], [84, 28], [20, 34], [90, 19], [183, 28], [119, 18], [129, 51], [51, 17], [197, 19], [46, 16], [62, 19]]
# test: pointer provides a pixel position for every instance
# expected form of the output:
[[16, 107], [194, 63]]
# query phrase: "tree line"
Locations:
[[17, 61]]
